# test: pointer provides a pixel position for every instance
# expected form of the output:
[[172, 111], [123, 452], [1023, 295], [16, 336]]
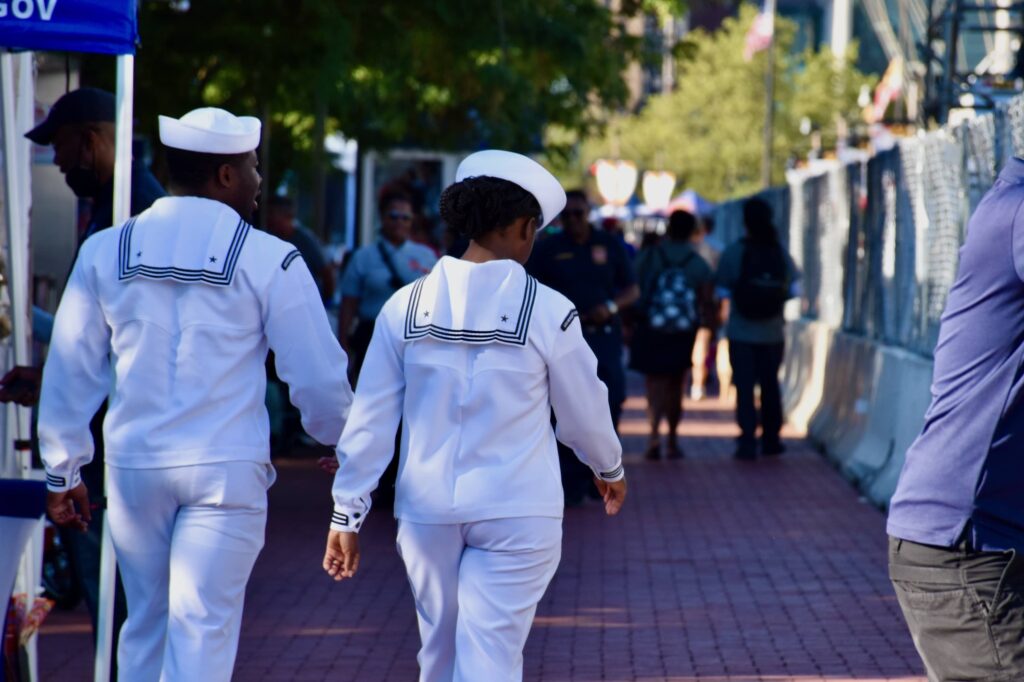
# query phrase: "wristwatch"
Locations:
[[612, 307]]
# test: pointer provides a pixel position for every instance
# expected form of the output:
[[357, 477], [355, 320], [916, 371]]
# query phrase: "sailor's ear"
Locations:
[[527, 227], [226, 175]]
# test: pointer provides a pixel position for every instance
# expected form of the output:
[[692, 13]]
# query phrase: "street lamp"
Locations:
[[616, 180], [658, 187]]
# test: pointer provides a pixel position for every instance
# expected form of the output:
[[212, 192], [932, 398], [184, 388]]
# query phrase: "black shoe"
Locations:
[[746, 448], [653, 453], [773, 449], [675, 452]]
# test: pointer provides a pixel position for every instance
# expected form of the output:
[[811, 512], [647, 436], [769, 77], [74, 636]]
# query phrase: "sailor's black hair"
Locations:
[[478, 205], [192, 170]]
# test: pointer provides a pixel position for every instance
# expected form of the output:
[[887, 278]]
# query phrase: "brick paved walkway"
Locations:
[[716, 571]]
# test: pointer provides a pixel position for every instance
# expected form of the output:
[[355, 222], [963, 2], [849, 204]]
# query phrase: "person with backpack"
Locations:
[[759, 277], [676, 287]]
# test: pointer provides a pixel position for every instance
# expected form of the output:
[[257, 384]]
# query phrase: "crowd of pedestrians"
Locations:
[[673, 300], [456, 358], [662, 308]]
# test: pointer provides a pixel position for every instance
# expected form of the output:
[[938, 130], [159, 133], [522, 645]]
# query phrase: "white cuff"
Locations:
[[347, 520], [56, 483], [612, 475]]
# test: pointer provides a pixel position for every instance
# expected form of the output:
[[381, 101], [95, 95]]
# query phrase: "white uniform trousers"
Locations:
[[186, 540], [476, 587]]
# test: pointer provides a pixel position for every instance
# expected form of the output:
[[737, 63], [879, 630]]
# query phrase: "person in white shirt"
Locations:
[[474, 357], [171, 315]]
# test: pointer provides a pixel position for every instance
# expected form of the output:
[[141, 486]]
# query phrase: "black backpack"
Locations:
[[672, 302], [762, 289]]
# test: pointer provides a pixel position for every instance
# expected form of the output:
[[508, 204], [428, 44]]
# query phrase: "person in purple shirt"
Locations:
[[956, 520]]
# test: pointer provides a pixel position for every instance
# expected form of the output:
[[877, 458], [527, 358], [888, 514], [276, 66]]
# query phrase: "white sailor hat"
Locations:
[[521, 170], [211, 131]]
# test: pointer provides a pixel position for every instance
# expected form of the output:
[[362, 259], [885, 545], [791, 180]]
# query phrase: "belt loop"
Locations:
[[966, 547], [1002, 578], [967, 537]]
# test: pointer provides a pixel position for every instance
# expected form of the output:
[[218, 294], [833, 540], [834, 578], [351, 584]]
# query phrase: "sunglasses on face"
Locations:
[[395, 215]]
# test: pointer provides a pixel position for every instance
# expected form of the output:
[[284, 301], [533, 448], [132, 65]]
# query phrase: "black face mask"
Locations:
[[83, 182]]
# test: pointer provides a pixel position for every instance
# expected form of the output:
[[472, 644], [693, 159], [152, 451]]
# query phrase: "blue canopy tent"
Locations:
[[98, 26]]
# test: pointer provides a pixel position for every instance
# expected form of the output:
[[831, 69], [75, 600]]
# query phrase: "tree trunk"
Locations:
[[267, 189], [320, 166]]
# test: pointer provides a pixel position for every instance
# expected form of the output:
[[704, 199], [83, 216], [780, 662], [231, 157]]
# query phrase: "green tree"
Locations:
[[709, 131], [448, 74]]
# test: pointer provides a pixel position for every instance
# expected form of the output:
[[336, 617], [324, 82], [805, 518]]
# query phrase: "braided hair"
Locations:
[[481, 204]]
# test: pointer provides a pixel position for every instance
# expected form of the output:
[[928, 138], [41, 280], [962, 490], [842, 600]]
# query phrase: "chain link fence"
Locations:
[[877, 238]]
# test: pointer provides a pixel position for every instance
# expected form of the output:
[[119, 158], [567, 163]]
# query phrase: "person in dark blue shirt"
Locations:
[[591, 269], [956, 520]]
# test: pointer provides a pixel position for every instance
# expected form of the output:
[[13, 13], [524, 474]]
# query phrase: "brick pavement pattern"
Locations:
[[716, 571]]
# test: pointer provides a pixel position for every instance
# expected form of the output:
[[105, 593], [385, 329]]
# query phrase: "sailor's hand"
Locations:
[[613, 494], [328, 464], [70, 508], [342, 557]]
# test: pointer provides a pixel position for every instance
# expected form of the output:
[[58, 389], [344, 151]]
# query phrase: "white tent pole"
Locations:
[[32, 562], [18, 116], [122, 211], [123, 158], [16, 188]]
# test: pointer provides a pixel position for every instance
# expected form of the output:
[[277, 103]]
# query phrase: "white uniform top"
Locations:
[[474, 357], [172, 314]]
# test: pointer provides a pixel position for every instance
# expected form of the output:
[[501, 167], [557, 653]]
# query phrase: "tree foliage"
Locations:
[[709, 131], [446, 74]]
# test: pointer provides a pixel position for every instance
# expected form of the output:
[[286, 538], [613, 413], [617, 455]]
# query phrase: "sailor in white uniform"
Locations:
[[474, 356], [172, 315]]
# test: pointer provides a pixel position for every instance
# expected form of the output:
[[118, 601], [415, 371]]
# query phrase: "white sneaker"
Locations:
[[696, 393]]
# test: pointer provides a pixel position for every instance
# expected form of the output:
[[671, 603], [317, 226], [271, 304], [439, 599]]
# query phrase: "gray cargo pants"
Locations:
[[964, 608]]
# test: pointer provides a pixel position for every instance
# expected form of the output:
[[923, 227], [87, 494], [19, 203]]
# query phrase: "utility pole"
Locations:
[[842, 19], [769, 100]]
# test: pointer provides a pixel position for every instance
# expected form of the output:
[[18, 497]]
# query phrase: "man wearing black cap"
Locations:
[[80, 126]]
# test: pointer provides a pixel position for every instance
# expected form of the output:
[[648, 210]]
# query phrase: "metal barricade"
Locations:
[[878, 240]]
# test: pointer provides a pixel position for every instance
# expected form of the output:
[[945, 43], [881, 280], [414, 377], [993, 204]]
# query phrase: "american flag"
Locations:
[[759, 37], [889, 89]]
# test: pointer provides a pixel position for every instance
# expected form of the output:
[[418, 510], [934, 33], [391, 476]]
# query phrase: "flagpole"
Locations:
[[769, 100]]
